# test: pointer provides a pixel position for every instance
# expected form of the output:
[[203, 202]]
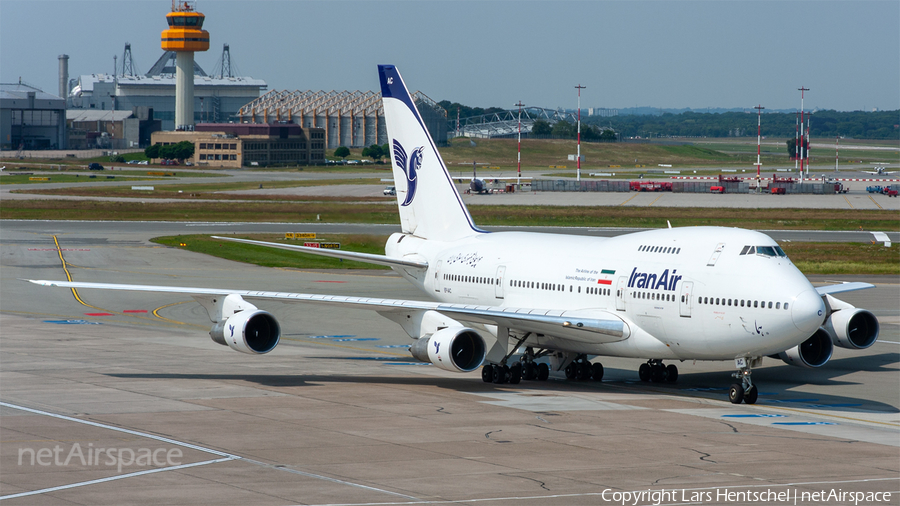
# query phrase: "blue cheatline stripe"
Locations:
[[398, 90]]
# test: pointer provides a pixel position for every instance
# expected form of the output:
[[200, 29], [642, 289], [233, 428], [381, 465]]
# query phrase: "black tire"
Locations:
[[597, 371], [657, 374], [583, 371], [487, 373], [530, 372], [515, 374], [671, 373], [736, 394], [543, 372], [571, 369], [499, 375], [751, 394], [644, 372]]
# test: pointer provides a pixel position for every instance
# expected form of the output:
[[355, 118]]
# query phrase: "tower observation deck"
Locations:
[[184, 36]]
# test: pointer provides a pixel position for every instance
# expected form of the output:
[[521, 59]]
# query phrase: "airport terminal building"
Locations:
[[236, 145]]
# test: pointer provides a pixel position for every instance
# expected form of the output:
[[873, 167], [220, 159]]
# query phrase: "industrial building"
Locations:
[[99, 129], [31, 118], [349, 118], [217, 98], [238, 145]]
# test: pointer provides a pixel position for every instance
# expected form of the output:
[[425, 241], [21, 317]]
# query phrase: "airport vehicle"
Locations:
[[717, 189], [517, 304], [874, 189], [889, 192], [95, 166], [390, 190], [778, 190]]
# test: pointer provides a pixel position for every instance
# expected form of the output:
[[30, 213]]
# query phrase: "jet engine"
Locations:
[[814, 352], [856, 329], [456, 349], [254, 332]]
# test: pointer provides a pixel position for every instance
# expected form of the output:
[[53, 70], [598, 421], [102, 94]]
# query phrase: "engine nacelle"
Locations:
[[456, 349], [254, 332], [856, 329], [814, 352]]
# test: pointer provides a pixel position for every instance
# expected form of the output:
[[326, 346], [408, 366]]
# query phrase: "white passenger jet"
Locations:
[[518, 304]]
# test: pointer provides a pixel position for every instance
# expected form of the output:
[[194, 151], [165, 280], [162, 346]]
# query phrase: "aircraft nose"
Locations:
[[808, 311]]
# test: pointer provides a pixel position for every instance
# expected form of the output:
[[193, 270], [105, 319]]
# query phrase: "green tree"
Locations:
[[541, 127], [608, 135], [563, 130], [183, 150], [375, 152], [342, 152], [152, 151]]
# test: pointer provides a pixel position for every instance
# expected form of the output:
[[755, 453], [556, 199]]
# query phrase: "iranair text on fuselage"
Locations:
[[652, 281]]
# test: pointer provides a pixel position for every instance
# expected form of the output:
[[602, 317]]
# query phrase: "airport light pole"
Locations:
[[578, 153], [802, 90], [759, 109], [519, 154], [837, 142]]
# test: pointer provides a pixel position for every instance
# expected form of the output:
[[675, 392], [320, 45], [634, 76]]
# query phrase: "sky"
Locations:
[[667, 54]]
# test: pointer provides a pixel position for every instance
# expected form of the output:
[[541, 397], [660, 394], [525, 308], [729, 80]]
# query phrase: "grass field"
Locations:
[[210, 190], [810, 258], [560, 216]]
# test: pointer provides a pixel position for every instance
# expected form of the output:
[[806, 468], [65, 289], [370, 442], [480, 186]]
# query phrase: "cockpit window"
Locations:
[[780, 251], [767, 251]]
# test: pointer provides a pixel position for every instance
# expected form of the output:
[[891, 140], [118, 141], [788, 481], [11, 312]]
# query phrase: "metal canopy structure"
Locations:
[[350, 118], [506, 123]]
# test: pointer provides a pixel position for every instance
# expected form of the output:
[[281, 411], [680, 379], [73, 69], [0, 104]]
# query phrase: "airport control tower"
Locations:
[[184, 36]]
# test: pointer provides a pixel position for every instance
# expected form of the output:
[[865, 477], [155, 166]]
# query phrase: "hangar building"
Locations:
[[349, 118], [31, 118]]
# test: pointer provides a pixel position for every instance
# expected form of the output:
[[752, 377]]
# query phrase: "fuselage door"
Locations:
[[715, 256], [437, 276], [620, 293], [687, 291], [498, 282]]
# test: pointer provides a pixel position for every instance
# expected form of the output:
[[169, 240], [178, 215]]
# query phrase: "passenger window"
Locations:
[[579, 289], [678, 251], [770, 304], [785, 306], [755, 303], [742, 302], [777, 305]]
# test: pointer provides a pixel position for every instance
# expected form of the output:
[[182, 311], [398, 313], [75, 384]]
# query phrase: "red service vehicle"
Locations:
[[717, 189], [889, 192], [778, 191]]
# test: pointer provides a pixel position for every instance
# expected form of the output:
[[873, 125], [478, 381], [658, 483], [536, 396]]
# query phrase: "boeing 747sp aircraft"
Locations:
[[517, 304]]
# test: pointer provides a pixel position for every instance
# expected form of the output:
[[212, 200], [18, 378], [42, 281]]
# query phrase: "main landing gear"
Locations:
[[655, 371], [745, 391], [581, 369]]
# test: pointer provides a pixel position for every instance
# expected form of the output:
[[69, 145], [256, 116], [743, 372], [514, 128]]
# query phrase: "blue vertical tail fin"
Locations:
[[430, 206]]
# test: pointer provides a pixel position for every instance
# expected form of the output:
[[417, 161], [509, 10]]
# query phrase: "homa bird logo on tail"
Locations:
[[410, 167]]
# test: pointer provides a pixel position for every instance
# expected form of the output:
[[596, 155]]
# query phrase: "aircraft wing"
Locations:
[[557, 323], [336, 253], [843, 287]]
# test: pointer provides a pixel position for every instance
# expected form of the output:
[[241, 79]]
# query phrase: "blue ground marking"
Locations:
[[834, 405], [393, 346], [72, 322], [330, 337], [754, 416], [357, 339], [804, 423], [794, 400]]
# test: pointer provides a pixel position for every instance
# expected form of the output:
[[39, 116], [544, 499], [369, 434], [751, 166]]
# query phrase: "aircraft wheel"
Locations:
[[530, 372], [657, 374], [543, 372], [671, 373], [583, 371], [515, 374], [500, 374], [736, 394], [751, 394], [644, 372], [571, 370], [597, 371], [487, 373]]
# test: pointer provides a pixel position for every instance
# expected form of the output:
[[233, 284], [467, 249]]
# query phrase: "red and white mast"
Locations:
[[578, 153], [759, 109], [519, 154]]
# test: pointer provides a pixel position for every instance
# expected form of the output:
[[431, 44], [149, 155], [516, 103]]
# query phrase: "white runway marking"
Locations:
[[226, 457]]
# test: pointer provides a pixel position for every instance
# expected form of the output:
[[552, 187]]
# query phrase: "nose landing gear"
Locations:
[[745, 391]]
